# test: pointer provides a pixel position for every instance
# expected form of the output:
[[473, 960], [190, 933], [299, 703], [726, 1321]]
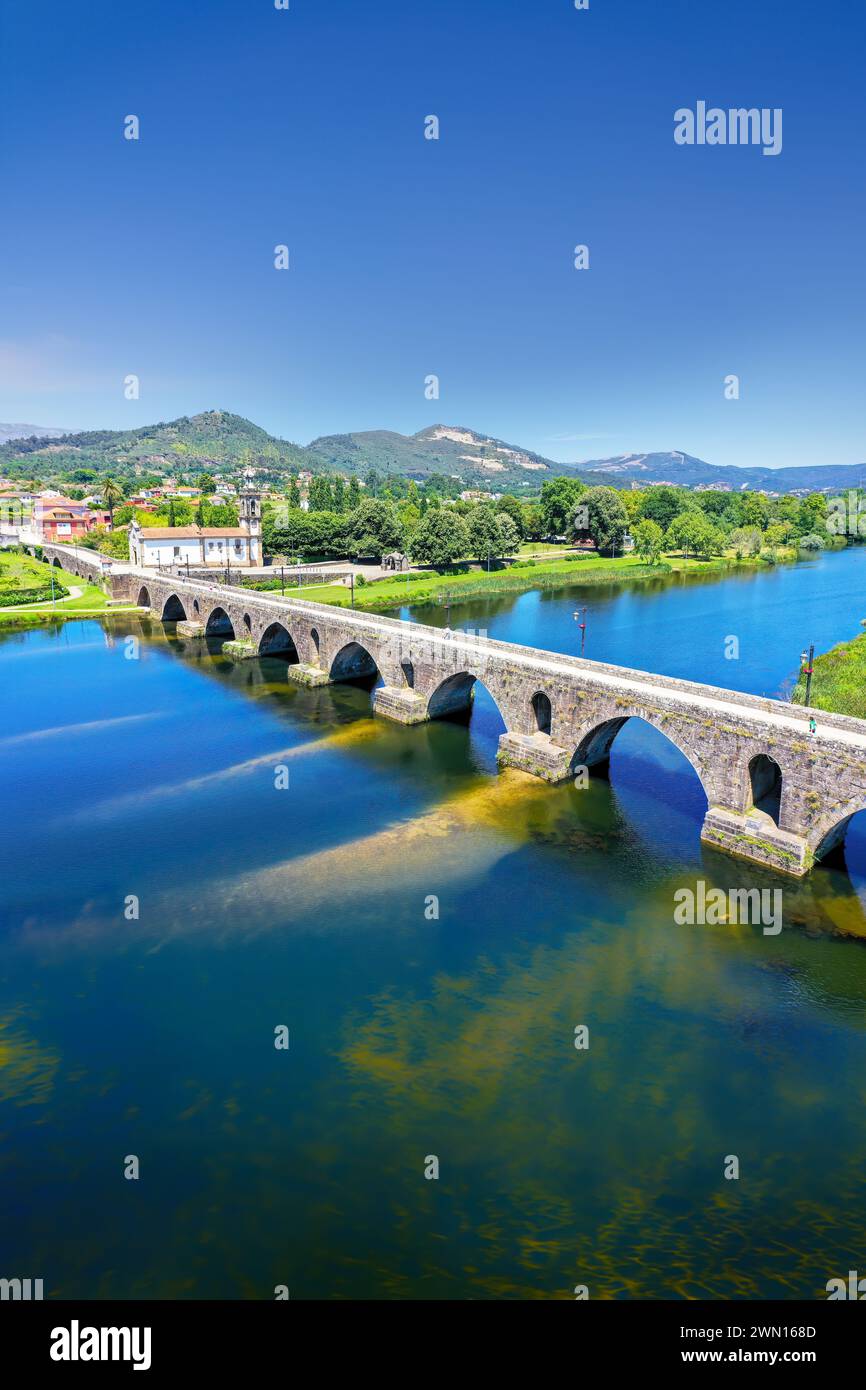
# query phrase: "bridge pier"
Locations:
[[238, 650], [757, 838], [303, 674], [536, 754], [403, 705], [780, 794]]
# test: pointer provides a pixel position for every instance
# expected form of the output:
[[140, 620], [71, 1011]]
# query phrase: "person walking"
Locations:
[[812, 725]]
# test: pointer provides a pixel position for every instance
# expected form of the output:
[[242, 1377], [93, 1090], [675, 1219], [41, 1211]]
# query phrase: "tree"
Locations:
[[662, 504], [320, 495], [755, 510], [648, 540], [711, 539], [778, 533], [354, 494], [224, 514], [692, 533], [601, 513], [532, 522], [510, 506], [294, 493], [112, 493], [485, 537], [372, 529], [745, 540], [558, 498], [339, 493], [509, 536], [409, 516], [441, 538], [207, 484], [812, 518]]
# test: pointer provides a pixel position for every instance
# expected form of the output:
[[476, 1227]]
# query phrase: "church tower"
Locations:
[[251, 515]]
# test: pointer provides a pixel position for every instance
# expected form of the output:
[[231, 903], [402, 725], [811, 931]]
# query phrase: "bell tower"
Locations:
[[251, 515]]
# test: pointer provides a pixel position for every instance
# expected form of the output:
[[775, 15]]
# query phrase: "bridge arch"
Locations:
[[173, 610], [219, 624], [276, 640], [595, 743], [353, 662], [144, 597], [765, 786], [831, 830], [542, 711], [455, 694]]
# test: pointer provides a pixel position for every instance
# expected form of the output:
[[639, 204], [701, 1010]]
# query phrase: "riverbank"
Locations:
[[51, 599], [838, 680], [524, 575]]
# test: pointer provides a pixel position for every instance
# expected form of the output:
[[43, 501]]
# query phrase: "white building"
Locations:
[[209, 547], [199, 546]]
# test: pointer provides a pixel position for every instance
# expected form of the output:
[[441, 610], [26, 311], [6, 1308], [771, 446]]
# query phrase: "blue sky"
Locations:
[[452, 257]]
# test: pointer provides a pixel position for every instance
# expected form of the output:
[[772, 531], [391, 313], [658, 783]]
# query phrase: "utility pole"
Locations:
[[807, 669], [582, 626], [283, 580]]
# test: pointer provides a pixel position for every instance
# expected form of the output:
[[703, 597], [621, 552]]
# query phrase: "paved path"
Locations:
[[75, 591]]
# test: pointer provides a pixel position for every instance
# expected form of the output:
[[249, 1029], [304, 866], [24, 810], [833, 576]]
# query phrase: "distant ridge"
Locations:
[[29, 431], [216, 440]]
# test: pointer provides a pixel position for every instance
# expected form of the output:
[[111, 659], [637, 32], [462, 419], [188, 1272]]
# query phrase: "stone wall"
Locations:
[[429, 672]]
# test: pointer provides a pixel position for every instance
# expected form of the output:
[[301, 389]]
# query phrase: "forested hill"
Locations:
[[217, 441], [206, 443]]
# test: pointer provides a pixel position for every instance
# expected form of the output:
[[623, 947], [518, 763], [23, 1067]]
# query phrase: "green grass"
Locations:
[[22, 575], [838, 680], [576, 569], [20, 571]]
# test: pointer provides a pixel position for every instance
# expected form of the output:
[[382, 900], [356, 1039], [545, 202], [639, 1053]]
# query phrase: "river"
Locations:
[[430, 935]]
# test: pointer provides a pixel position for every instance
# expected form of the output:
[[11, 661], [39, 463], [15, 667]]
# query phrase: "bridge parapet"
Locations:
[[776, 794]]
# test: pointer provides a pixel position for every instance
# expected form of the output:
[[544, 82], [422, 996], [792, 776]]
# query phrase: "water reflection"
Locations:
[[411, 1033]]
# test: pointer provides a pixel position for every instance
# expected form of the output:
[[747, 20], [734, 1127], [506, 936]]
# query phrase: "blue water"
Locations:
[[149, 772]]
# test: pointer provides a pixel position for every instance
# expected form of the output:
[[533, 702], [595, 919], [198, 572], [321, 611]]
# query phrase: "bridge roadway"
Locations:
[[776, 794]]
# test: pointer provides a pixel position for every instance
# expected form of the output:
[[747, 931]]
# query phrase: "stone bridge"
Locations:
[[775, 793], [88, 565]]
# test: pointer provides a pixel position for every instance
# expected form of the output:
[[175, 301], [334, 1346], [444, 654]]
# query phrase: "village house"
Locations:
[[58, 518], [208, 547]]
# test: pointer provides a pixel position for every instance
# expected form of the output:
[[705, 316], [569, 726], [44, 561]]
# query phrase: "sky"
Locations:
[[411, 258]]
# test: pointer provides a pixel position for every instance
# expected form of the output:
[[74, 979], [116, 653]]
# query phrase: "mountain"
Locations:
[[204, 443], [686, 471], [478, 459], [28, 431], [216, 441]]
